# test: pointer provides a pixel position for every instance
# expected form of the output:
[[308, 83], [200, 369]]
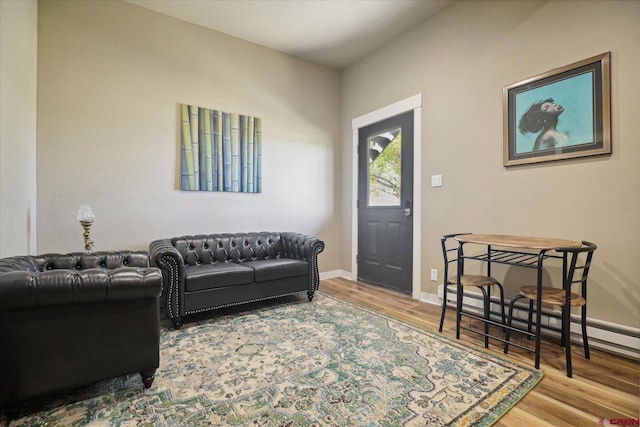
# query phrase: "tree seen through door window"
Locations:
[[385, 153]]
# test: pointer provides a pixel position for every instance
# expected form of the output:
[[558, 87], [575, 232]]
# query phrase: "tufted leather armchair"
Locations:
[[206, 272], [70, 320]]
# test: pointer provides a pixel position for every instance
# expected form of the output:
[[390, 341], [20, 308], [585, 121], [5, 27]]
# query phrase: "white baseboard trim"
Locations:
[[611, 337], [430, 298], [335, 273]]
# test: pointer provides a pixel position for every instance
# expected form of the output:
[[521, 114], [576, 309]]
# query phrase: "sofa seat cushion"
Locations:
[[208, 276], [280, 268]]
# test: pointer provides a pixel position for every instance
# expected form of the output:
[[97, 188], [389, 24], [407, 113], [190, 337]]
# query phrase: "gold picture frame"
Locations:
[[564, 113]]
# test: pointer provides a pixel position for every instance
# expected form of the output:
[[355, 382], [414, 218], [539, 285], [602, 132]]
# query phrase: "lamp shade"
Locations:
[[85, 213]]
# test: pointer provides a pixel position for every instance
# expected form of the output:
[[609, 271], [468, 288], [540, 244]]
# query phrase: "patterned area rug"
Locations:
[[295, 363]]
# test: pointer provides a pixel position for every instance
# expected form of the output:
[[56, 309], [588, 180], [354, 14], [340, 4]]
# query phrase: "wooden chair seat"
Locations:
[[553, 296], [472, 280]]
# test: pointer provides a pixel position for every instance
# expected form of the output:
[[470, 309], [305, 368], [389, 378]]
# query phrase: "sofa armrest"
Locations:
[[302, 246], [167, 257], [27, 289]]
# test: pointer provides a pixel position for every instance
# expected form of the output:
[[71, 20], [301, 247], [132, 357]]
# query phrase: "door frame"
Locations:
[[412, 103]]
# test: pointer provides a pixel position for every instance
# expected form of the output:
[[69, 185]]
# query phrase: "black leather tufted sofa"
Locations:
[[206, 272], [69, 320]]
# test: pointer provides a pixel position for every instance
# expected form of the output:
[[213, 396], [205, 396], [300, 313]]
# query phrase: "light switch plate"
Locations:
[[434, 275], [436, 180]]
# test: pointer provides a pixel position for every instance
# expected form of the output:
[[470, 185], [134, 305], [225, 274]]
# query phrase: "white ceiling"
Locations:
[[335, 33]]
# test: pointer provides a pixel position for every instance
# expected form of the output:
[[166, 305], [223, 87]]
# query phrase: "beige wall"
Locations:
[[459, 61], [110, 78], [18, 65]]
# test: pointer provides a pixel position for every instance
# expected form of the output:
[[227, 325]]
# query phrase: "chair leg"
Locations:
[[459, 295], [585, 340], [566, 325], [502, 305], [177, 322], [509, 321], [148, 377], [444, 307], [530, 320], [486, 297]]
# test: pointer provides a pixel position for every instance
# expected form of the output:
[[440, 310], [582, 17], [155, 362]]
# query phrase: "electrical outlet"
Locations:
[[434, 275]]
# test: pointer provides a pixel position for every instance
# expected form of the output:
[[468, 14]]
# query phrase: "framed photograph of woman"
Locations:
[[561, 114]]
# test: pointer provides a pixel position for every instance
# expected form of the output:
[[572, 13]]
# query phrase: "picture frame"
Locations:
[[561, 114]]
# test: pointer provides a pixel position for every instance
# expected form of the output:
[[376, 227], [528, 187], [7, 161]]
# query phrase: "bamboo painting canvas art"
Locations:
[[220, 151]]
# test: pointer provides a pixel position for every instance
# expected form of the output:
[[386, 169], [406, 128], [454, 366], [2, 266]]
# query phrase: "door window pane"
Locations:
[[385, 154]]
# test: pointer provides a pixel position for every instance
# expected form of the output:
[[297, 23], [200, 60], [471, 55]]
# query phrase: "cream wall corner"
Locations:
[[18, 57]]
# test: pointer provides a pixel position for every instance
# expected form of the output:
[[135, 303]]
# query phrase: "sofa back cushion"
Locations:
[[75, 261], [229, 247], [18, 263]]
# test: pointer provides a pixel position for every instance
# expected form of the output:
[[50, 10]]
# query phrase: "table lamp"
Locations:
[[86, 217]]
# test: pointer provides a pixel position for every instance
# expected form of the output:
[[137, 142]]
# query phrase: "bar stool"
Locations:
[[572, 262], [484, 283]]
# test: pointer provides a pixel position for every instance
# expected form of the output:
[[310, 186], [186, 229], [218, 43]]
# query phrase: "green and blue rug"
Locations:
[[295, 363]]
